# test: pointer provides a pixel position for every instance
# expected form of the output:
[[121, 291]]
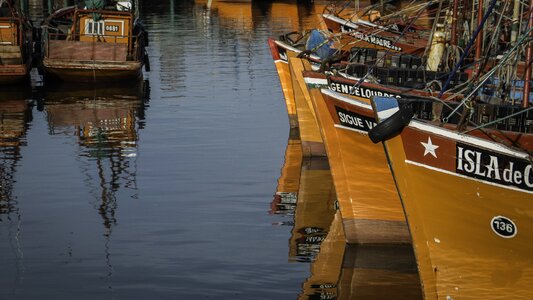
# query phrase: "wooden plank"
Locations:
[[76, 50]]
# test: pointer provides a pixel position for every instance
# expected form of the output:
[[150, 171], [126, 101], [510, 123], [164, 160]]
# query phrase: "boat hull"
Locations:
[[91, 71], [468, 205], [368, 200], [312, 142], [279, 55]]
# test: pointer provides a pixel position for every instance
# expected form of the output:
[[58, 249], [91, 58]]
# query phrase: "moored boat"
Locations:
[[16, 43], [466, 196], [280, 50], [369, 204], [100, 41]]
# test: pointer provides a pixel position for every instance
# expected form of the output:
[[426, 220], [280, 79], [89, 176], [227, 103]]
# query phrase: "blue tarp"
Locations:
[[317, 38]]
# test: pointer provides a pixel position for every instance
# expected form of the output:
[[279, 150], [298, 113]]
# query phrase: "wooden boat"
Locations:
[[312, 142], [369, 204], [99, 42], [16, 43], [280, 50], [394, 35], [466, 197]]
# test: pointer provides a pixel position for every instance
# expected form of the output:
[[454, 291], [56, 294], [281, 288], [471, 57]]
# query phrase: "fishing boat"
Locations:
[[370, 208], [289, 44], [97, 41], [466, 196], [368, 28], [465, 180], [16, 43]]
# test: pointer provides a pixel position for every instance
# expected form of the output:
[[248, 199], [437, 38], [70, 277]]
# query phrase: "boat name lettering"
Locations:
[[492, 167], [374, 40], [112, 28], [358, 91], [353, 120]]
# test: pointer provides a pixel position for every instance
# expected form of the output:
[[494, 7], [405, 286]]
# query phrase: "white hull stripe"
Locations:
[[475, 141], [352, 24], [351, 129], [317, 81], [283, 45], [340, 21], [466, 177], [343, 98], [281, 61]]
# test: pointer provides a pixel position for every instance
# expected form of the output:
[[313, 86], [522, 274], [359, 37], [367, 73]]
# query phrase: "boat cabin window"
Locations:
[[94, 27]]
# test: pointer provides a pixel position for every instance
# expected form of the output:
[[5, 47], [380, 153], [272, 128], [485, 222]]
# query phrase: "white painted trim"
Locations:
[[356, 24], [288, 47], [320, 81], [351, 129], [343, 98], [475, 141], [466, 177], [340, 20]]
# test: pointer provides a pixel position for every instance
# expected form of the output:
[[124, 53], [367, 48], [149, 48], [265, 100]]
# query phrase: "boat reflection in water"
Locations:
[[248, 15], [105, 121], [284, 202], [306, 193], [15, 115]]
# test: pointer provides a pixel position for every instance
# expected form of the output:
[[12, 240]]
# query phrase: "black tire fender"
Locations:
[[391, 126]]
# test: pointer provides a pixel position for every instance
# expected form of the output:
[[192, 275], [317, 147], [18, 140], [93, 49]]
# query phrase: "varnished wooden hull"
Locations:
[[312, 142], [468, 203], [91, 71], [370, 207], [279, 55]]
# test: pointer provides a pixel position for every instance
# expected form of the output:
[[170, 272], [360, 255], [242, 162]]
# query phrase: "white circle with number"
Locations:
[[504, 227]]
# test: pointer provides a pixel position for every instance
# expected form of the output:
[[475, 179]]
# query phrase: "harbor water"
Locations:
[[186, 185]]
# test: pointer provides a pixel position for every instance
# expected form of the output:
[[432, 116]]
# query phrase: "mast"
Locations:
[[529, 58], [479, 41]]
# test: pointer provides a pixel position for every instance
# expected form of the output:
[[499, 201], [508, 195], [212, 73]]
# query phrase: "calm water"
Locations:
[[188, 185]]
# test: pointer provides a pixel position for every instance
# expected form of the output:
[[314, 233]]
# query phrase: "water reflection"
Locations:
[[314, 211], [105, 121], [15, 115], [305, 193]]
